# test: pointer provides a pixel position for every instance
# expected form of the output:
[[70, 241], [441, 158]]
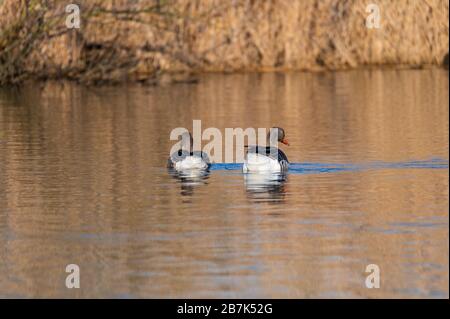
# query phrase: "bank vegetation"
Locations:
[[167, 40]]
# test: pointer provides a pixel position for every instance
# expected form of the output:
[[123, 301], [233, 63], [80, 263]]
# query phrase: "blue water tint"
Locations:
[[226, 166], [314, 168]]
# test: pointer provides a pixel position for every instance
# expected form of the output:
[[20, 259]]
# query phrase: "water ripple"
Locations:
[[315, 168]]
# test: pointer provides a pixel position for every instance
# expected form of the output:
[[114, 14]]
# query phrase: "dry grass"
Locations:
[[140, 40]]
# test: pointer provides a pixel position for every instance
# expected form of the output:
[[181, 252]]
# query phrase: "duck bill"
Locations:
[[285, 141]]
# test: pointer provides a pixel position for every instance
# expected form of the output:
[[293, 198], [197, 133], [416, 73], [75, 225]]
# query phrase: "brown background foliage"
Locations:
[[142, 40]]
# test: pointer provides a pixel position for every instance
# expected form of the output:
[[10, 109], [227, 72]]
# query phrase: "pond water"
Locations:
[[83, 181]]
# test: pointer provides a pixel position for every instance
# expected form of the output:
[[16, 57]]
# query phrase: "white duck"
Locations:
[[261, 159], [186, 159]]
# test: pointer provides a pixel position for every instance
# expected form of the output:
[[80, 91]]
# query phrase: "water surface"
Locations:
[[83, 180]]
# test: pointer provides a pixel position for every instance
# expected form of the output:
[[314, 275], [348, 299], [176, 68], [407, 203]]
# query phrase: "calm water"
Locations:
[[83, 180]]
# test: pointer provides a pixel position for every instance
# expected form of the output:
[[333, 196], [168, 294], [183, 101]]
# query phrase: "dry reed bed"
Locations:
[[142, 40]]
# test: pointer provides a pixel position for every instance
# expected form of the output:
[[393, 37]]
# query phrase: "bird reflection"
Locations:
[[268, 187], [189, 179]]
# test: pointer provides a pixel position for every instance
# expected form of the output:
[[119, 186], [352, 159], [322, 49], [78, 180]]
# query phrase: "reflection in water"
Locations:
[[268, 186], [190, 179], [83, 180]]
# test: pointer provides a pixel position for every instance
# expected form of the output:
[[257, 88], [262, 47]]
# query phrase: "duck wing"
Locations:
[[177, 157]]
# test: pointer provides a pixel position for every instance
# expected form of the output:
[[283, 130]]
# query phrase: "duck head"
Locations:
[[276, 134]]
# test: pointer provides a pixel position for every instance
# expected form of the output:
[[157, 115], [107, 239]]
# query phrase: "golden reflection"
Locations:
[[83, 180]]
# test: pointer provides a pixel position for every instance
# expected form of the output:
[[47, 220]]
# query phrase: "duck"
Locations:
[[267, 158], [185, 159]]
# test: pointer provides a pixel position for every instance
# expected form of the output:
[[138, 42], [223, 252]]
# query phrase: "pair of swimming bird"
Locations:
[[257, 159]]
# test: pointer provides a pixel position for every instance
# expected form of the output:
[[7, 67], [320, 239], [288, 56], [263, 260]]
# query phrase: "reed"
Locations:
[[146, 40]]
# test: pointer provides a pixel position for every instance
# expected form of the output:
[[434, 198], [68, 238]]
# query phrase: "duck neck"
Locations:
[[272, 139]]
